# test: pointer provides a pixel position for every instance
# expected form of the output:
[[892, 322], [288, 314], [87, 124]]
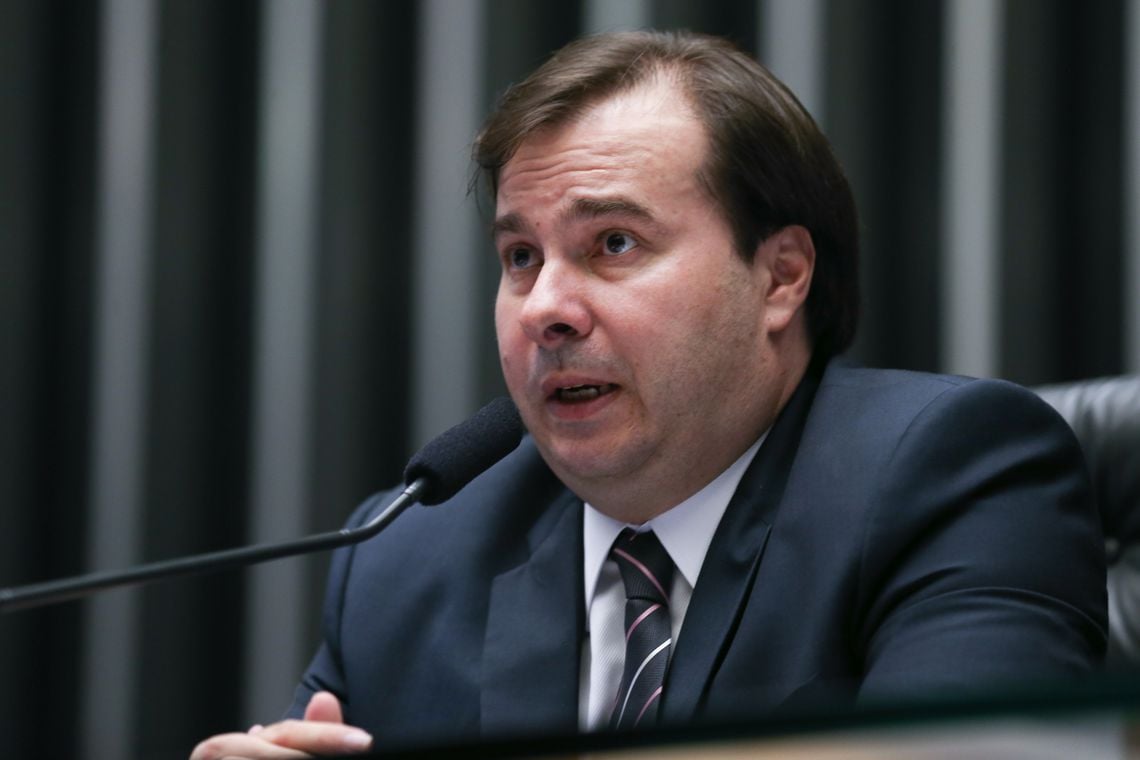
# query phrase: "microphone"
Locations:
[[452, 459], [436, 473]]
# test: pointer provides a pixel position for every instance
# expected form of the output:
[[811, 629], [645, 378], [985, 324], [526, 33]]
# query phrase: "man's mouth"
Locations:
[[573, 394]]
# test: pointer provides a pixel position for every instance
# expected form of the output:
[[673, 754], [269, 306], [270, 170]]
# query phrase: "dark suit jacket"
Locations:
[[897, 535]]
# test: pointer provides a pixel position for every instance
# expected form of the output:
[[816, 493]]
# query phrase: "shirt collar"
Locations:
[[685, 530]]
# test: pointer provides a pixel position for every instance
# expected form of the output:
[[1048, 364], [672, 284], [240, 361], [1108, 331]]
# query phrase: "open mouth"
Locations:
[[575, 394]]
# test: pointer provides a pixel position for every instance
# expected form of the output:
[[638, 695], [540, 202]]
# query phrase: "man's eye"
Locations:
[[618, 242], [520, 258]]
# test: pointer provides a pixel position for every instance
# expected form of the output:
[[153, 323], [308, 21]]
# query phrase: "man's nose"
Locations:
[[555, 310]]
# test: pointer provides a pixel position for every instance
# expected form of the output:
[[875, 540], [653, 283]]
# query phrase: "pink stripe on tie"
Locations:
[[640, 617], [656, 693], [645, 570], [633, 681]]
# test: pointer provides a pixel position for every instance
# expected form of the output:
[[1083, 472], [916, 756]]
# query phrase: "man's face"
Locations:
[[631, 334]]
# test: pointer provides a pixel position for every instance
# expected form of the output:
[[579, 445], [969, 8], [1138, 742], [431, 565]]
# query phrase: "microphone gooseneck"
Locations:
[[440, 469]]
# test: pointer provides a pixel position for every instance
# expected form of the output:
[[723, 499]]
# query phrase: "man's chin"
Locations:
[[585, 464]]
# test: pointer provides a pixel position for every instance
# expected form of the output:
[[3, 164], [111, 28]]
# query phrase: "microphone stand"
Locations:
[[49, 592]]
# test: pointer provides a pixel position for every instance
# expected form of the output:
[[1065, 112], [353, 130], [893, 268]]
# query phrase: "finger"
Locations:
[[317, 737], [324, 706], [243, 746]]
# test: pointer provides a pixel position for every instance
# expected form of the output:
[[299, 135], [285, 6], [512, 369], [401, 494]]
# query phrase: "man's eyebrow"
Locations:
[[591, 208], [580, 209], [507, 223]]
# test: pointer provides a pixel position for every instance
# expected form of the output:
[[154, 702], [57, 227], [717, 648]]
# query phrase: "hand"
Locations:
[[322, 732]]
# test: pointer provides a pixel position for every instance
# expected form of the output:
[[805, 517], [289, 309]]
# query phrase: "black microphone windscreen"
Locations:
[[455, 457]]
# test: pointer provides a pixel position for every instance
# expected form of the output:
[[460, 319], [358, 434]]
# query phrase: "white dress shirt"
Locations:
[[685, 531]]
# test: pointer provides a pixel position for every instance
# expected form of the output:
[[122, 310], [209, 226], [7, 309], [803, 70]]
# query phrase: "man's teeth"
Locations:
[[583, 392]]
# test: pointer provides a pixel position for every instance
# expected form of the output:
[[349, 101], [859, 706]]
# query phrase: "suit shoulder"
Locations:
[[909, 393]]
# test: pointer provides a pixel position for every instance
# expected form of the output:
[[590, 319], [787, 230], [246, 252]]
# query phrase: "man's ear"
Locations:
[[788, 258]]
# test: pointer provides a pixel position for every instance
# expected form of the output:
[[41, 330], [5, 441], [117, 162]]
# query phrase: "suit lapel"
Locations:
[[534, 631], [733, 560]]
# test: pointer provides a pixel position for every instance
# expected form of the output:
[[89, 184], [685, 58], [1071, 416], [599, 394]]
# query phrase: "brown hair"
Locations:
[[769, 165]]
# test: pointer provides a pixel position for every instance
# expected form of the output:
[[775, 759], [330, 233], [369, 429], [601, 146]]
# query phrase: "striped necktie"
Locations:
[[647, 573]]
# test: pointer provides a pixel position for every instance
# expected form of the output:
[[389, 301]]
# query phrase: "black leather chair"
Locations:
[[1105, 415]]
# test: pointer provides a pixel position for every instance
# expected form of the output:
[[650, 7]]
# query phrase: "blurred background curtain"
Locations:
[[242, 280]]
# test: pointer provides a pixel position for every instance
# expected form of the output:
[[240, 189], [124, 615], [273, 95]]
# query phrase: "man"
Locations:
[[678, 252]]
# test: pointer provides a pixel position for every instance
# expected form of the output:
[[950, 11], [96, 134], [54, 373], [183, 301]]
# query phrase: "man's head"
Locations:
[[647, 336], [768, 164]]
